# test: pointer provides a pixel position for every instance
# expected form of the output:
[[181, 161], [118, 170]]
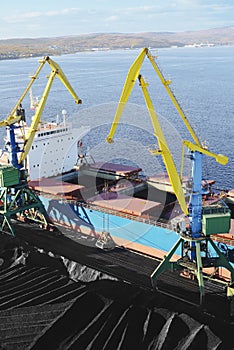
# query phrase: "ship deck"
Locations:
[[126, 204], [56, 187], [128, 266], [112, 168]]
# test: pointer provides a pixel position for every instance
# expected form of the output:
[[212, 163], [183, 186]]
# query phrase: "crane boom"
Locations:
[[174, 100], [36, 120], [164, 150], [195, 238], [60, 74], [132, 76], [13, 118], [220, 158], [56, 70]]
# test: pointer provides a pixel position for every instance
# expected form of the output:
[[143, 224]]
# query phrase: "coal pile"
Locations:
[[45, 305]]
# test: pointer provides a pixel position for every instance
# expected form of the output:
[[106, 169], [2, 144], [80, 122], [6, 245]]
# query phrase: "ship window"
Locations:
[[32, 147]]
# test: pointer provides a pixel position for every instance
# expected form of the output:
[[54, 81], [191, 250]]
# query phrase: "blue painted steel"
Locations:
[[131, 230], [195, 205], [14, 147], [128, 229]]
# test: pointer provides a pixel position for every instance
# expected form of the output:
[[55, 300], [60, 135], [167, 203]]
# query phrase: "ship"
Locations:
[[229, 197], [116, 204]]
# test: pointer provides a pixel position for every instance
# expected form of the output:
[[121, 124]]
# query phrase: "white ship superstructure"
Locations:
[[54, 149]]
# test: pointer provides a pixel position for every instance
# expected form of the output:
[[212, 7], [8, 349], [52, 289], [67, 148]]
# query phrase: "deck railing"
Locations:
[[147, 220], [150, 220]]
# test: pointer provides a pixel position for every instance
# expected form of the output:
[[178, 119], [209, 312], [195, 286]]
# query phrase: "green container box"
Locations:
[[9, 176], [216, 223]]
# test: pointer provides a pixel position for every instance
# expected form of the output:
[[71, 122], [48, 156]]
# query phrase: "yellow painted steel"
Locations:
[[166, 84], [60, 74], [220, 158], [165, 152], [56, 71], [129, 83], [13, 118], [132, 76], [36, 119]]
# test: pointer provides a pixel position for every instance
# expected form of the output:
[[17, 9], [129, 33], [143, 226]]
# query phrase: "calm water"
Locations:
[[203, 81]]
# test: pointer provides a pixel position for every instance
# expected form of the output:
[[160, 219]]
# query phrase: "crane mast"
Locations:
[[195, 241]]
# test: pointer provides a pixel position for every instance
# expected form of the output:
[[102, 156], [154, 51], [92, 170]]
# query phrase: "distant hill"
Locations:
[[17, 48]]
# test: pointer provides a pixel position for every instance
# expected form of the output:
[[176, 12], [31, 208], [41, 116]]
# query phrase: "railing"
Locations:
[[150, 220]]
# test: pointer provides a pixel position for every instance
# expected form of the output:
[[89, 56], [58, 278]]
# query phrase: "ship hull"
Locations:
[[134, 233], [125, 230]]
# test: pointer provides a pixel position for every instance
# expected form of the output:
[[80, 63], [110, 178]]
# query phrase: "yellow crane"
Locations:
[[15, 118], [196, 234], [132, 76], [15, 196]]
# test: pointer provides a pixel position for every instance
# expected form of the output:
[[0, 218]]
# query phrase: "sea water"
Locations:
[[202, 80]]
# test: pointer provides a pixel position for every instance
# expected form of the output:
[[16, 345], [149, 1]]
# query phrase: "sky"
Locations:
[[49, 18]]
